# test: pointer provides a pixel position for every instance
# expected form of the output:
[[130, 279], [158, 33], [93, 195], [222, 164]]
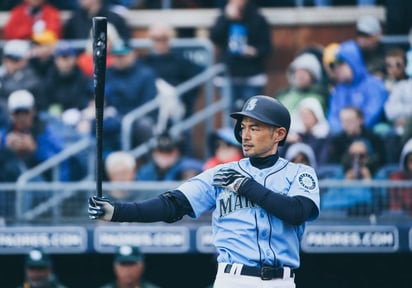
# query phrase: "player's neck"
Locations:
[[264, 162]]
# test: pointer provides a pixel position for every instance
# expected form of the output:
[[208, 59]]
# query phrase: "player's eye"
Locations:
[[254, 128]]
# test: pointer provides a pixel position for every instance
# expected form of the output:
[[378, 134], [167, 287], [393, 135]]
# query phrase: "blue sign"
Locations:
[[51, 239], [157, 239], [350, 239]]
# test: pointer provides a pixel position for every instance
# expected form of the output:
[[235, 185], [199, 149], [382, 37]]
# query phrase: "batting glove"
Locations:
[[100, 208], [229, 178]]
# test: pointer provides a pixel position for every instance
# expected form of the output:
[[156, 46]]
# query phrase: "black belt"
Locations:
[[265, 273]]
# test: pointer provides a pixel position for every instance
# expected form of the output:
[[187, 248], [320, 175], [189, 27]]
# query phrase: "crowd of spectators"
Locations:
[[354, 95]]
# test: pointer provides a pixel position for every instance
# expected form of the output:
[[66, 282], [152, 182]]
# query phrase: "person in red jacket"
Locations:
[[32, 17], [400, 199]]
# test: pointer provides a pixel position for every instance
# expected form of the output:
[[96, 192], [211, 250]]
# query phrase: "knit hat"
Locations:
[[368, 25], [310, 63]]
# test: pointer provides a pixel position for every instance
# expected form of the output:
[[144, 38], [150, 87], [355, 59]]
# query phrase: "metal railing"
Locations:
[[209, 110], [204, 77], [389, 201], [51, 163]]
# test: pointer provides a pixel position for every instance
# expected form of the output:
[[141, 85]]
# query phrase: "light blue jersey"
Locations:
[[244, 232]]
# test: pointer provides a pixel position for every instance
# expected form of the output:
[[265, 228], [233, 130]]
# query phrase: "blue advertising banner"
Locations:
[[51, 239], [157, 239], [352, 238]]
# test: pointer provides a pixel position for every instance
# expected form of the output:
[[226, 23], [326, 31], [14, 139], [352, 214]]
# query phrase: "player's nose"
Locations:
[[245, 135]]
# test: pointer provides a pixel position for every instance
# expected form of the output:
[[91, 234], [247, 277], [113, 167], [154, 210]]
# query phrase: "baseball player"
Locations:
[[260, 203]]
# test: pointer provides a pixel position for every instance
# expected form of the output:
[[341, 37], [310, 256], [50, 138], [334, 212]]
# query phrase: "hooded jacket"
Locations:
[[321, 128], [303, 148], [365, 91]]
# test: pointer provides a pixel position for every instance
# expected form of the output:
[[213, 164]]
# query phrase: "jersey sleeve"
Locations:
[[306, 184], [200, 192]]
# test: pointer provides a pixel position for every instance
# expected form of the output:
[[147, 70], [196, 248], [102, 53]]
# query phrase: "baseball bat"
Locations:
[[99, 78]]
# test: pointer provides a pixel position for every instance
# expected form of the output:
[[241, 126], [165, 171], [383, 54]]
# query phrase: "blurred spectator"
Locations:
[[353, 128], [80, 23], [42, 51], [304, 77], [128, 267], [309, 126], [224, 148], [356, 165], [317, 50], [120, 166], [65, 86], [243, 37], [164, 63], [129, 85], [398, 107], [29, 136], [167, 164], [33, 17], [39, 271], [395, 61], [368, 34], [400, 199], [355, 87], [328, 59], [33, 140], [301, 153], [15, 73], [85, 58]]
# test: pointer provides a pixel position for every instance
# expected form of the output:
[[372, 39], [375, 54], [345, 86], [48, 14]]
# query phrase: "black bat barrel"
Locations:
[[99, 78]]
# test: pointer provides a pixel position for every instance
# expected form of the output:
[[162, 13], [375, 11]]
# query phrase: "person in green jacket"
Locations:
[[38, 271], [305, 77], [128, 267]]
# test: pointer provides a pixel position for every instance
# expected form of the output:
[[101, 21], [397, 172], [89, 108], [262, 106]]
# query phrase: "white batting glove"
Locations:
[[229, 178], [100, 208]]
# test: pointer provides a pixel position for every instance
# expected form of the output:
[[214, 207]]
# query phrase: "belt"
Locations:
[[265, 272]]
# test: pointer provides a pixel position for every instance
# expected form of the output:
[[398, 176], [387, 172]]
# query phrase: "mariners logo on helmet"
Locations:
[[265, 109], [251, 104]]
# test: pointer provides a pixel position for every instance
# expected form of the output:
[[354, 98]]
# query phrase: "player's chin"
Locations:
[[248, 152]]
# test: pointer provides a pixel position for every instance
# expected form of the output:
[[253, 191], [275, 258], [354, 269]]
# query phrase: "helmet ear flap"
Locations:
[[237, 130]]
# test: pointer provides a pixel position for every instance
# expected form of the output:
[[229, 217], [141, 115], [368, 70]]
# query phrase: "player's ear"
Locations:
[[280, 133]]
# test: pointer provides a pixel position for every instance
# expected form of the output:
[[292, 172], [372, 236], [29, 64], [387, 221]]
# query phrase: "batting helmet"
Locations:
[[265, 109]]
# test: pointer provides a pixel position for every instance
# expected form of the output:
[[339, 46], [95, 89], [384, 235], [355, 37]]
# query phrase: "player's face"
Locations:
[[128, 274], [260, 139]]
